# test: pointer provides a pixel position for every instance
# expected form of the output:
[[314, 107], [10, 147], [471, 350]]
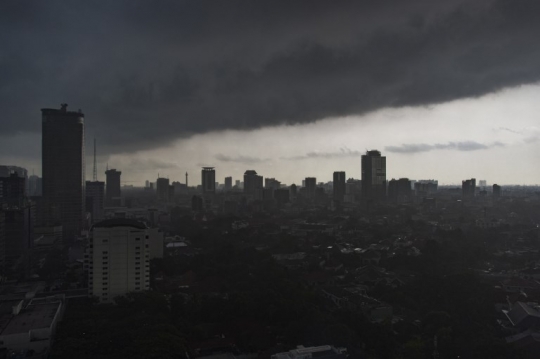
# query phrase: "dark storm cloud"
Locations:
[[240, 159], [148, 72], [457, 146], [343, 152]]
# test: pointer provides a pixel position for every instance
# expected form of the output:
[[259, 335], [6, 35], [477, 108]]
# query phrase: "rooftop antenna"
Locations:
[[95, 165]]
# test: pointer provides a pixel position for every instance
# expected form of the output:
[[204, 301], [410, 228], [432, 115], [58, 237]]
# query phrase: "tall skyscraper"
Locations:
[[373, 176], [208, 180], [228, 183], [95, 200], [113, 193], [253, 183], [6, 171], [162, 189], [339, 186], [468, 188], [496, 190], [400, 191], [63, 168], [12, 190], [311, 185]]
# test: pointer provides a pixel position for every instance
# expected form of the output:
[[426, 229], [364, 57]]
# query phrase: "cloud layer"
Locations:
[[146, 73], [458, 146]]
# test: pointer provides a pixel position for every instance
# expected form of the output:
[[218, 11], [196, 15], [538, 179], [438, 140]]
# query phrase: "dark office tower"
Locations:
[[162, 189], [228, 183], [12, 190], [496, 190], [339, 186], [468, 188], [63, 168], [294, 190], [311, 185], [6, 171], [208, 180], [253, 183], [95, 200], [113, 193], [373, 176], [399, 191]]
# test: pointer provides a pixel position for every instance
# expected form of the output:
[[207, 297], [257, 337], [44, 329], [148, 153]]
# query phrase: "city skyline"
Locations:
[[429, 84]]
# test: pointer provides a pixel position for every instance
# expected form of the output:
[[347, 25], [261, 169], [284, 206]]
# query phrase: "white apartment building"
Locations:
[[119, 258]]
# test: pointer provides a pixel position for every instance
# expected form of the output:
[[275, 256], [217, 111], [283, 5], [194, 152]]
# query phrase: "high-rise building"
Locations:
[[496, 190], [12, 190], [272, 183], [373, 176], [468, 188], [253, 183], [228, 183], [113, 192], [63, 168], [119, 258], [310, 185], [95, 200], [399, 191], [424, 188], [339, 186], [208, 180], [6, 171], [162, 189]]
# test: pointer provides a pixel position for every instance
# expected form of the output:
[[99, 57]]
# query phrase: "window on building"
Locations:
[[137, 263], [105, 252], [137, 283], [137, 239], [105, 268], [137, 278], [137, 288], [137, 247], [137, 273], [137, 268], [105, 240]]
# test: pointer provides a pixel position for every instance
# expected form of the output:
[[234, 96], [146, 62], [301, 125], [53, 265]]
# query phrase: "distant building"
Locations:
[[373, 176], [310, 185], [253, 183], [424, 188], [272, 183], [6, 171], [496, 190], [12, 190], [468, 188], [63, 168], [339, 186], [399, 191], [35, 186], [162, 189], [208, 180], [119, 258], [228, 183], [113, 196], [95, 200], [282, 196], [197, 203]]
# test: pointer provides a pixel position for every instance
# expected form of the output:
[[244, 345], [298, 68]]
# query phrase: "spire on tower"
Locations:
[[186, 179]]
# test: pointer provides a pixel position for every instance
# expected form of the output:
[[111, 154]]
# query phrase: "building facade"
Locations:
[[118, 258], [373, 176], [113, 193], [339, 181], [208, 180], [95, 200], [63, 168]]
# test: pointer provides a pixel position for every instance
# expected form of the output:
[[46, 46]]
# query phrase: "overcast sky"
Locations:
[[445, 89]]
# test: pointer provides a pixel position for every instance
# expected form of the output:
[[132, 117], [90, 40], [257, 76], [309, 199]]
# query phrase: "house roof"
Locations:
[[520, 312]]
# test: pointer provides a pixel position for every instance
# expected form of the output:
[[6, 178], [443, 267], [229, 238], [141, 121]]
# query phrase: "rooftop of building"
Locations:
[[34, 316], [120, 222], [61, 112]]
